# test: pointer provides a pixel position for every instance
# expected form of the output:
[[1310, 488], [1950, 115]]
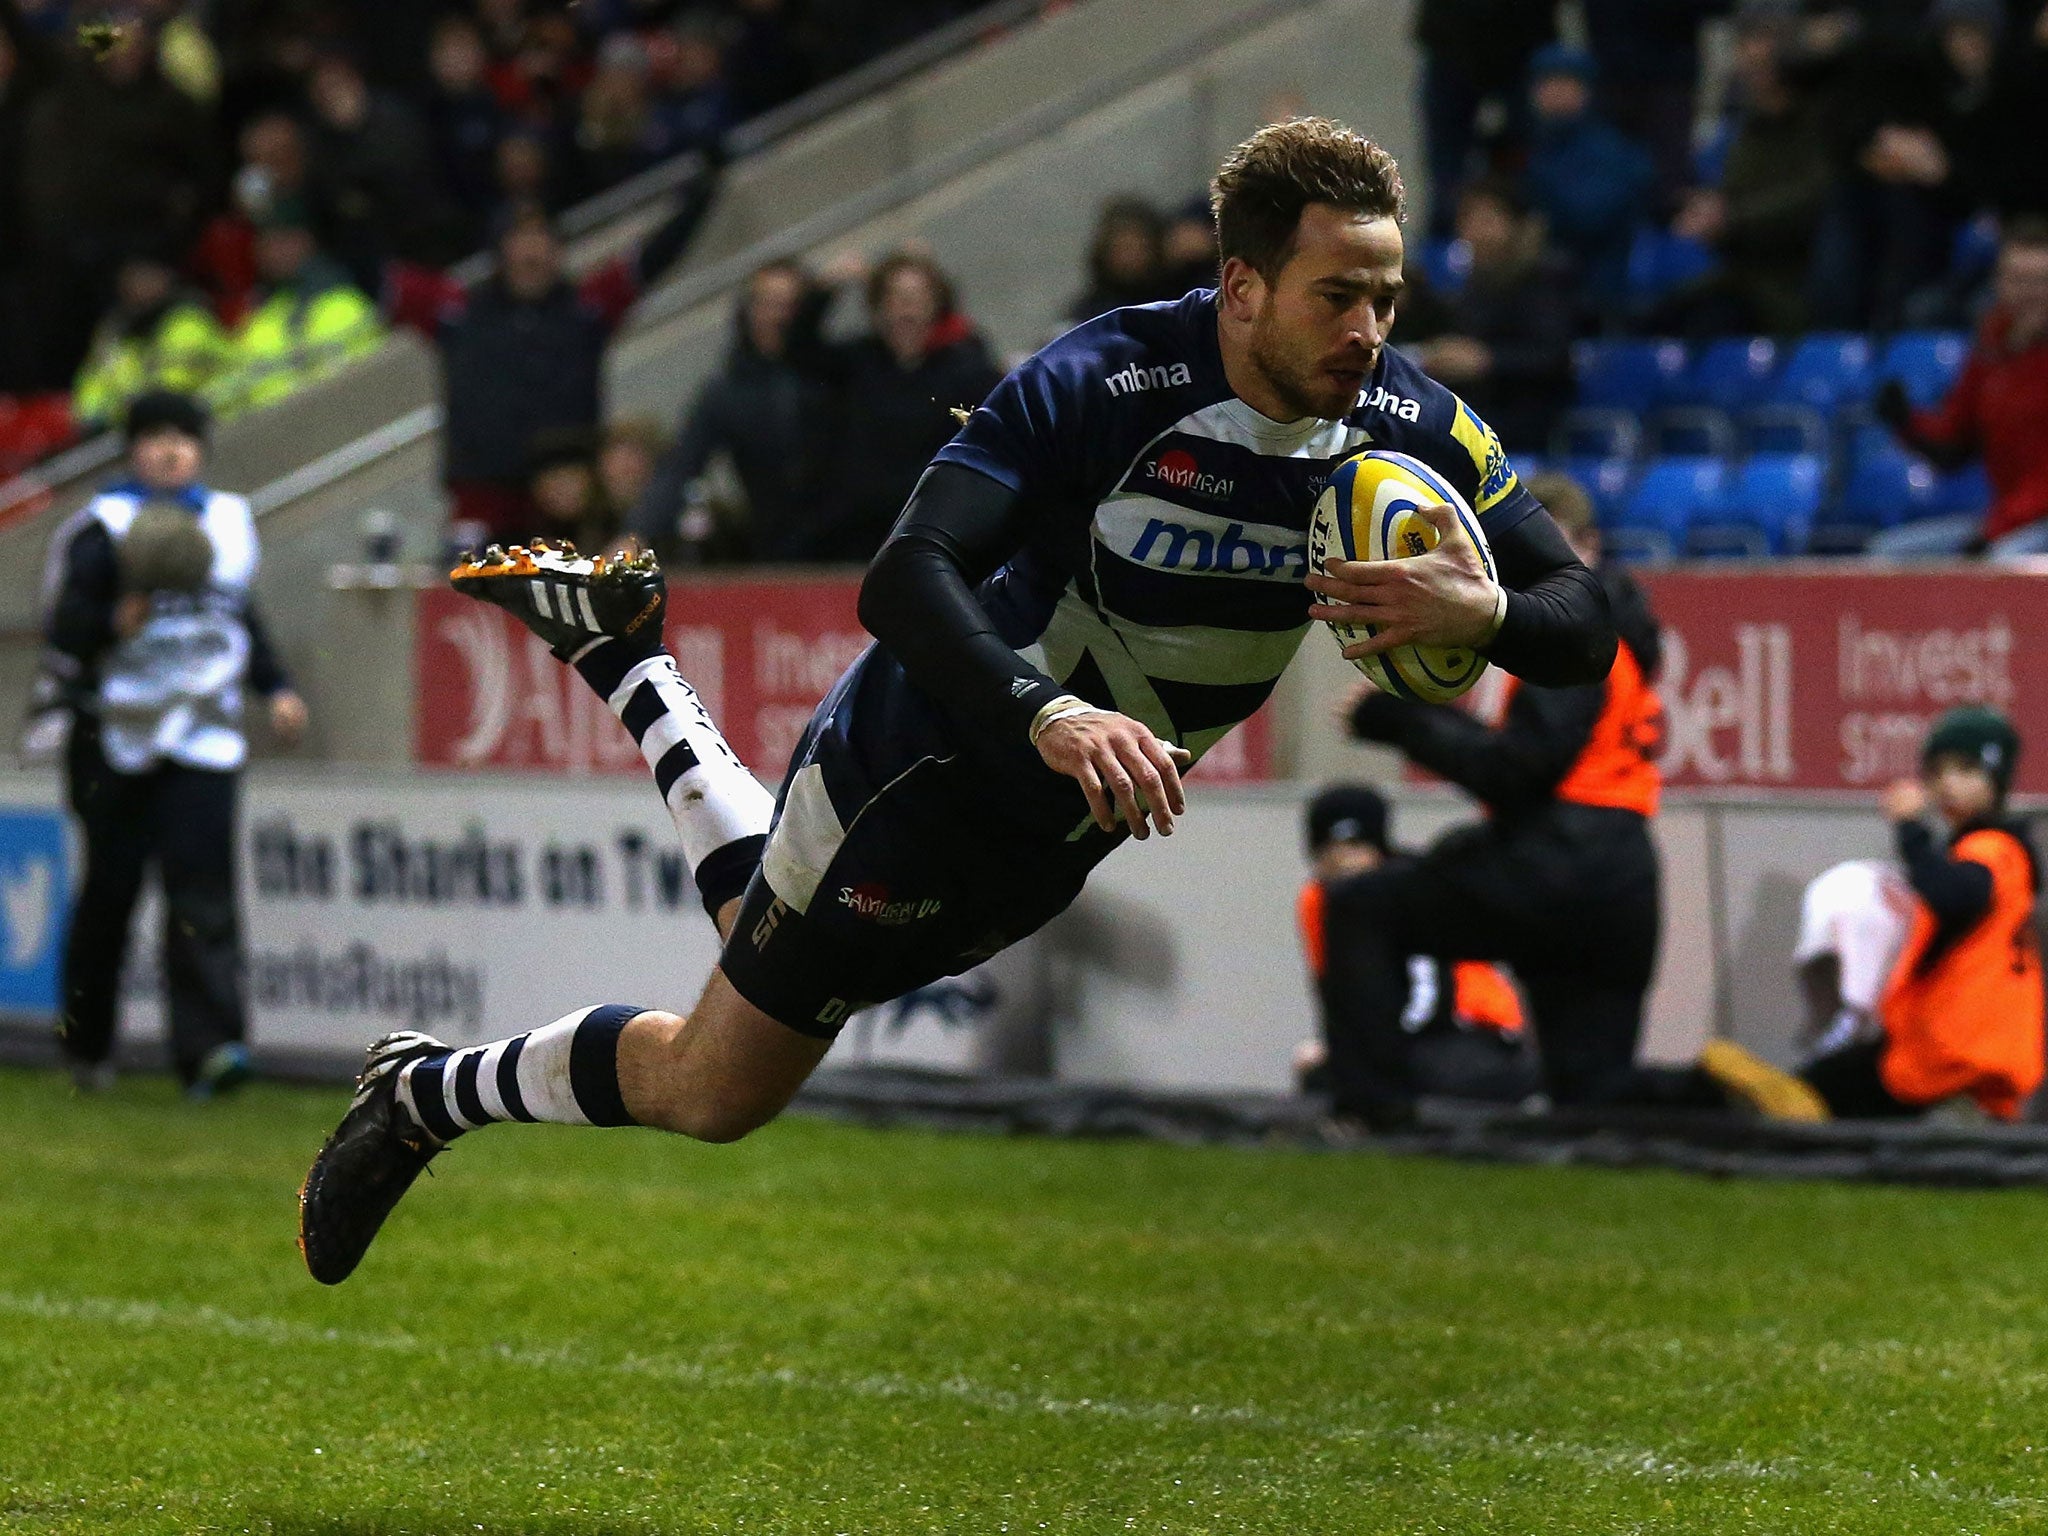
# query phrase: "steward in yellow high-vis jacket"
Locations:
[[158, 336], [311, 323]]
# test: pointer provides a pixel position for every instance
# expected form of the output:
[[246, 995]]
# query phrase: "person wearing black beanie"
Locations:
[[152, 637], [166, 410], [1960, 1009]]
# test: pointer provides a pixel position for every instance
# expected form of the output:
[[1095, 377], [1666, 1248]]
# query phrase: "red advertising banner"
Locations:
[[760, 651], [1809, 678]]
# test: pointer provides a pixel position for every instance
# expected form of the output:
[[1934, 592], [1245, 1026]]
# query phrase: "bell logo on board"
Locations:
[[1731, 724]]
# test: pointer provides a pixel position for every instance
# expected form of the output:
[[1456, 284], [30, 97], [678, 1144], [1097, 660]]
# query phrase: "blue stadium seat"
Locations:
[[1767, 506], [1692, 432], [1731, 374], [1885, 485], [1827, 370], [1596, 432], [1446, 264], [1782, 429], [1964, 490], [1671, 494], [1659, 262], [1926, 362], [1627, 374], [1606, 481]]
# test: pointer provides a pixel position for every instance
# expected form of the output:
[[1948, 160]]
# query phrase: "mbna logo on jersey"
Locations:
[[1135, 380], [1394, 405], [1211, 551]]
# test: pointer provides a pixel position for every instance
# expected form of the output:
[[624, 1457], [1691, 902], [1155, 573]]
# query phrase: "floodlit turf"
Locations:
[[835, 1330]]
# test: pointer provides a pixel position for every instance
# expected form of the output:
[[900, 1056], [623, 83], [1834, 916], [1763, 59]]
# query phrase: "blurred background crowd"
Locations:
[[1763, 276]]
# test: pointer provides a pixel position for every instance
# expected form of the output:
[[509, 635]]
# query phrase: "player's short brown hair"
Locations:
[[1565, 499], [1266, 181]]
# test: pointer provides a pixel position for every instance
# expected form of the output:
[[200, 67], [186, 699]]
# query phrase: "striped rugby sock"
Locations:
[[720, 810], [566, 1073]]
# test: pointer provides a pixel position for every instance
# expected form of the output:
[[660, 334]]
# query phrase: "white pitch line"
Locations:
[[153, 1316]]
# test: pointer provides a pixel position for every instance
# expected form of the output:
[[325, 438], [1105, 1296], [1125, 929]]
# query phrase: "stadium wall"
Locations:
[[387, 899]]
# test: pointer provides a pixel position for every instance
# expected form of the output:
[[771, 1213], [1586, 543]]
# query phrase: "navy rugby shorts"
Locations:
[[896, 859]]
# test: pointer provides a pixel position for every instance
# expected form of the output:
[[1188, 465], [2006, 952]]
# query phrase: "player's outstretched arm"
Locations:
[[918, 600]]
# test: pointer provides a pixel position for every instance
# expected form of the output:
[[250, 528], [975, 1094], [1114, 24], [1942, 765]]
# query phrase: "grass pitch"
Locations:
[[827, 1329]]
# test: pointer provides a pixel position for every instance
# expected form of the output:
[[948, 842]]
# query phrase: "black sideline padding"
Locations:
[[1938, 1152]]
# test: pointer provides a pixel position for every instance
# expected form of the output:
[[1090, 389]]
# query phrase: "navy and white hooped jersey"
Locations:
[[1163, 574]]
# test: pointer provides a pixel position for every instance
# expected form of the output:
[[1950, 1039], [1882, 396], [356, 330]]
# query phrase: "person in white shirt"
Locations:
[[153, 631]]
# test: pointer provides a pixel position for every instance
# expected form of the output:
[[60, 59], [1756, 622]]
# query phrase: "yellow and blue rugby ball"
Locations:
[[1371, 510]]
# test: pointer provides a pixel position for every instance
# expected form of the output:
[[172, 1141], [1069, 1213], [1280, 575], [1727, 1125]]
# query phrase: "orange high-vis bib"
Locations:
[[1308, 916], [1482, 993], [1618, 766], [1971, 1021]]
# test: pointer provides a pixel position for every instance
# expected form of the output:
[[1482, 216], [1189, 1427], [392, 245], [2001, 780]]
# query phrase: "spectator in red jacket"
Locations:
[[1998, 411]]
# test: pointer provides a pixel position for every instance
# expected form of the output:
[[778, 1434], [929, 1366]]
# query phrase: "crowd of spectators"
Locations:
[[1854, 170], [1860, 170], [887, 398], [1833, 187], [238, 197], [176, 176]]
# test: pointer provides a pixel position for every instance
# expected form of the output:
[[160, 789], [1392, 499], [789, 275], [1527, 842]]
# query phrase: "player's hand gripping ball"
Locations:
[[1371, 510]]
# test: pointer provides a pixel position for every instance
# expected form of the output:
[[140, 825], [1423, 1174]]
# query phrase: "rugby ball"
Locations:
[[1371, 510]]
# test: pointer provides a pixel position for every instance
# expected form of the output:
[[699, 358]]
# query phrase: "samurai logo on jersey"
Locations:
[[1135, 380], [872, 902], [1177, 467]]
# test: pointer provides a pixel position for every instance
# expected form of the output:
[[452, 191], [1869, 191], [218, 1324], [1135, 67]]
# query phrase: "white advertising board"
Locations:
[[476, 907]]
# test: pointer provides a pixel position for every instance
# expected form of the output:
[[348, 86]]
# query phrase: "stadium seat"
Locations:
[[1446, 264], [1671, 494], [1692, 432], [1660, 262], [1605, 481], [1731, 374], [1782, 429], [1885, 484], [1626, 374], [1926, 362], [32, 427], [1827, 370], [1767, 506], [1596, 432], [1963, 490]]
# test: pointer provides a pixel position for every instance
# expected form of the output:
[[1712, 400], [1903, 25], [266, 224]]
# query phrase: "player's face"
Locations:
[[1960, 789], [1316, 330]]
